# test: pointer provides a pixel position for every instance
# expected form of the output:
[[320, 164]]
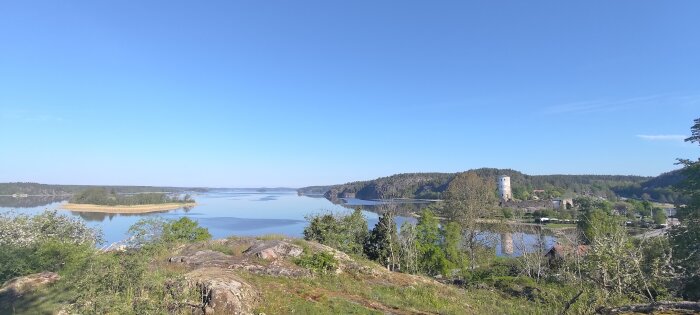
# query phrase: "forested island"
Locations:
[[103, 200]]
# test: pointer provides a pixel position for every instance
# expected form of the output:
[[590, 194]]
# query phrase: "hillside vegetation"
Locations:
[[434, 185], [659, 188]]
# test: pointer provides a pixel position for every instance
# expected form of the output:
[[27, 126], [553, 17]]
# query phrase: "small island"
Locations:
[[101, 200]]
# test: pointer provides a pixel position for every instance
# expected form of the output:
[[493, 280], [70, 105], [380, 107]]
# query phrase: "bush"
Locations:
[[659, 216], [497, 268], [319, 263], [346, 233], [506, 282], [507, 213], [44, 242], [520, 287], [185, 230], [157, 231], [21, 230], [124, 283]]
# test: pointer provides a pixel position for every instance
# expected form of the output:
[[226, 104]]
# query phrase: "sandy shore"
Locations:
[[125, 209]]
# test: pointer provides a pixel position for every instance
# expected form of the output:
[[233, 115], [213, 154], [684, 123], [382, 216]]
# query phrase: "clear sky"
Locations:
[[295, 93]]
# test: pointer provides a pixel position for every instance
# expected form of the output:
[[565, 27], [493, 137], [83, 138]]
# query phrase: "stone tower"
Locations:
[[504, 190]]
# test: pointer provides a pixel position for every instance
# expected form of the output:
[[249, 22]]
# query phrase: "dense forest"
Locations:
[[433, 186], [35, 189], [659, 188], [101, 196]]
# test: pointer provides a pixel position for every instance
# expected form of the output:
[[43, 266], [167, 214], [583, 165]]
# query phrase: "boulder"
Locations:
[[222, 292], [270, 250], [20, 285]]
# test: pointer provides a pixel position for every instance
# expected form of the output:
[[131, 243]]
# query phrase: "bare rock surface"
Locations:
[[222, 292], [249, 261], [270, 250], [202, 258], [21, 285]]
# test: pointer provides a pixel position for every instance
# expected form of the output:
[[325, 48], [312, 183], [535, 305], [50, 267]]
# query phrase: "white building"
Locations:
[[504, 190]]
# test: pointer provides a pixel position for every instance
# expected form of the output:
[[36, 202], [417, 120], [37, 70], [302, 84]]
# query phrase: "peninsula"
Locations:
[[125, 208]]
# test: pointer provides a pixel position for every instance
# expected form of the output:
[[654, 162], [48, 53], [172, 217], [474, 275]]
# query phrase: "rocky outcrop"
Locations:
[[213, 273], [222, 292], [270, 250], [19, 286], [209, 258]]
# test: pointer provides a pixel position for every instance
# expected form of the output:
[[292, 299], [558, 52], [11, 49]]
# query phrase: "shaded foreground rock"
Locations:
[[269, 250], [19, 286], [222, 292]]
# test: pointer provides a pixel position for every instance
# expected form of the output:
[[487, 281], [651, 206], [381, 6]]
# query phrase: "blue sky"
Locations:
[[295, 93]]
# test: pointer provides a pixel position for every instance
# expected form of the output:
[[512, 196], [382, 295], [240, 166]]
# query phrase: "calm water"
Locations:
[[243, 213]]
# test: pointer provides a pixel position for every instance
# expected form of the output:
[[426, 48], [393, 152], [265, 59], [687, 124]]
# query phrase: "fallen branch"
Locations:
[[648, 308], [571, 302]]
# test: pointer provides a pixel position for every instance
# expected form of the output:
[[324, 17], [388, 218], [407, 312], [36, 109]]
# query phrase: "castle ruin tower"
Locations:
[[504, 190]]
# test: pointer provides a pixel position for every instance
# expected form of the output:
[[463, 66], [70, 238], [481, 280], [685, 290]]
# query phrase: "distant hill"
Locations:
[[659, 188], [433, 185], [35, 189]]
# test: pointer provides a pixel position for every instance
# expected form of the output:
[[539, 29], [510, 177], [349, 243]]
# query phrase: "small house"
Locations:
[[556, 255]]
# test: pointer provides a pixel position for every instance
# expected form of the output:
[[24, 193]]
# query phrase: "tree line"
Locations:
[[102, 196], [62, 190], [435, 185]]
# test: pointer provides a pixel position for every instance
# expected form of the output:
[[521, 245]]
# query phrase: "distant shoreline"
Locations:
[[125, 209]]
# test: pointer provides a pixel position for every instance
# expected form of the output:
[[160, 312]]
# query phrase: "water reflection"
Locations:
[[29, 202], [102, 216], [507, 243]]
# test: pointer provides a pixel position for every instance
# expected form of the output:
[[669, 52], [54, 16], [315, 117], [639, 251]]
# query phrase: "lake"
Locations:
[[252, 212]]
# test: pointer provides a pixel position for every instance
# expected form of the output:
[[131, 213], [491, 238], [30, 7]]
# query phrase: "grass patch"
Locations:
[[349, 295], [272, 237], [557, 226], [235, 249]]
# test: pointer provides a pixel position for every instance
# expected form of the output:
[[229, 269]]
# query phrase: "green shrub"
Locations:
[[496, 268], [345, 232], [507, 213], [319, 263], [154, 232], [507, 281], [125, 283], [43, 242], [185, 230]]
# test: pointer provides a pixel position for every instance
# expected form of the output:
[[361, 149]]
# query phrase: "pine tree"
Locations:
[[685, 238], [382, 244]]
